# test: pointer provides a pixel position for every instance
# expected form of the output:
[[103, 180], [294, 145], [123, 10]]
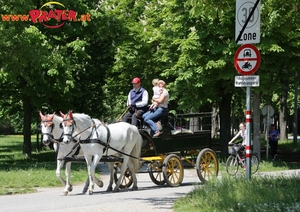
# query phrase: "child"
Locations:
[[157, 91]]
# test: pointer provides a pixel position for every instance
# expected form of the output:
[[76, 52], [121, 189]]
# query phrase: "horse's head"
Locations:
[[68, 125], [46, 127]]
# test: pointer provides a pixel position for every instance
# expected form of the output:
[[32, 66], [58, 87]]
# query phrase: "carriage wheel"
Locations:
[[207, 165], [173, 170], [127, 180], [156, 174]]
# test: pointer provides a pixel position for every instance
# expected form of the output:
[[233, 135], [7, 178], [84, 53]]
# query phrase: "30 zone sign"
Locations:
[[251, 33]]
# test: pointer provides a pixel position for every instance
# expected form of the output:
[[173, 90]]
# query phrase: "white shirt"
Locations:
[[166, 100]]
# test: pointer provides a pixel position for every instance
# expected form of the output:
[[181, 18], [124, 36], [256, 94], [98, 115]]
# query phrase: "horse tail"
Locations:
[[136, 151]]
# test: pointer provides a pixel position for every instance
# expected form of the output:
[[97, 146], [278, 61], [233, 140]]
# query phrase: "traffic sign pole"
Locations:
[[247, 58], [248, 135]]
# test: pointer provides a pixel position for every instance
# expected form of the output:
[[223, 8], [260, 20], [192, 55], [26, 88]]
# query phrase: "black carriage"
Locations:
[[185, 141]]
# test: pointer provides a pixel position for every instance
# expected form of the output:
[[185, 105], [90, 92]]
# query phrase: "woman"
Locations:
[[162, 107], [242, 132]]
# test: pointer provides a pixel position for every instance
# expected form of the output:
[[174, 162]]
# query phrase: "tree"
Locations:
[[30, 64]]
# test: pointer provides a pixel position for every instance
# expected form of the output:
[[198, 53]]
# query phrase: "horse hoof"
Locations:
[[70, 188], [109, 189], [64, 193], [116, 190], [134, 188], [100, 183], [90, 192]]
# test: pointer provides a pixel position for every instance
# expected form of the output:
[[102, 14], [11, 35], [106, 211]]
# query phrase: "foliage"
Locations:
[[87, 66]]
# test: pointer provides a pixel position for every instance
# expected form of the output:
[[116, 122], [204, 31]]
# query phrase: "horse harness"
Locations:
[[88, 140], [99, 141]]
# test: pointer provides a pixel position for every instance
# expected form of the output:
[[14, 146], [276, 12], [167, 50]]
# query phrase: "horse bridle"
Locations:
[[52, 125], [73, 128]]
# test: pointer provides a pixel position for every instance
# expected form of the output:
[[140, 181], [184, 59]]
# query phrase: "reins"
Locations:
[[78, 142], [123, 153], [123, 113], [106, 145]]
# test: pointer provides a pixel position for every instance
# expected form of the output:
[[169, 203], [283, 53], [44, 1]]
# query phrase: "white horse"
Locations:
[[97, 140], [51, 132]]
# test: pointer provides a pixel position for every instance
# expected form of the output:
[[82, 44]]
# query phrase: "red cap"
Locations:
[[136, 80]]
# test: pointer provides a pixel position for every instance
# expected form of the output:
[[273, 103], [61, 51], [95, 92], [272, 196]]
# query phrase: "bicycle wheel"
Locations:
[[254, 164], [232, 165]]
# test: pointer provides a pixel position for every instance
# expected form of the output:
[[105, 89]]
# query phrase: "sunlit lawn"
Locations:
[[238, 193], [261, 194], [21, 175]]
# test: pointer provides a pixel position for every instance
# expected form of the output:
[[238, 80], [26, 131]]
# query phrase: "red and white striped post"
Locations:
[[248, 135], [248, 120]]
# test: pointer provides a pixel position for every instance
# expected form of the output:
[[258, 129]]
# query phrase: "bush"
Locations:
[[7, 129]]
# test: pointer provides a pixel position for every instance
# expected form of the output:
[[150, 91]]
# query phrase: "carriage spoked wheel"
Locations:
[[127, 180], [155, 173], [207, 165], [173, 170]]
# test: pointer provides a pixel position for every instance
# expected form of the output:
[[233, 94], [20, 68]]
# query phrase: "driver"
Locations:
[[137, 100]]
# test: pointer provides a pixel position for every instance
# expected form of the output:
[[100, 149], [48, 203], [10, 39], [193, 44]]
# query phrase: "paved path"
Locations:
[[149, 197]]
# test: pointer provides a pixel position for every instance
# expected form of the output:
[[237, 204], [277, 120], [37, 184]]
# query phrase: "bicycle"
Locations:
[[237, 158]]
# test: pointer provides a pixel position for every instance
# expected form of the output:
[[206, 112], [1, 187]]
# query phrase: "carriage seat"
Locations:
[[181, 131], [140, 123], [163, 123]]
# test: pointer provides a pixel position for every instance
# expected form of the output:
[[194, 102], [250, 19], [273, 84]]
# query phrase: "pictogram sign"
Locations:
[[247, 59]]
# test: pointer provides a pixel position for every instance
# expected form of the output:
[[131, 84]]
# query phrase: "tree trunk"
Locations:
[[214, 127], [295, 122], [27, 126], [256, 124], [283, 117], [225, 122]]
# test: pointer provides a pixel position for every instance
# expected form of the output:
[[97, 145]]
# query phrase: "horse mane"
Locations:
[[81, 116], [57, 119], [82, 119]]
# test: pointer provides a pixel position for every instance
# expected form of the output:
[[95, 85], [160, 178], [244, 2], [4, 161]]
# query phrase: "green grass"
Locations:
[[261, 194], [21, 175], [237, 194]]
